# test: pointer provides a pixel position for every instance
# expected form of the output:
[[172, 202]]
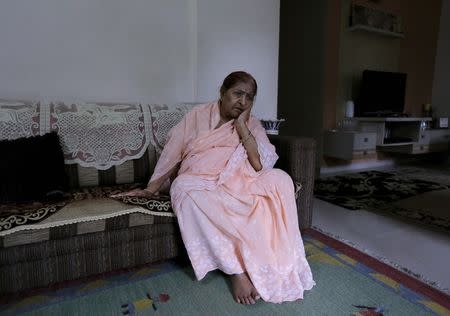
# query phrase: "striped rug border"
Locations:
[[398, 276]]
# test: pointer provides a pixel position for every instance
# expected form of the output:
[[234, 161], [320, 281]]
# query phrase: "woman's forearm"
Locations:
[[252, 152], [155, 185], [250, 145]]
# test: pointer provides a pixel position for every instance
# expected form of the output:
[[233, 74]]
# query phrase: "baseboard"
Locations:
[[357, 166]]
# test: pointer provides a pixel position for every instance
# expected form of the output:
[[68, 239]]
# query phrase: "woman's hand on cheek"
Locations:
[[244, 117]]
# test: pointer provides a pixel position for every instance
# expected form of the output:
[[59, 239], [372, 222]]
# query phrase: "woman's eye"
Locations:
[[238, 94]]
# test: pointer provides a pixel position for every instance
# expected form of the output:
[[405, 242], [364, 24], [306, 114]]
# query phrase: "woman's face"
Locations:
[[236, 100]]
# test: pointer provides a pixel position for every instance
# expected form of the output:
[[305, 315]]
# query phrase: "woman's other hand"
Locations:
[[136, 193]]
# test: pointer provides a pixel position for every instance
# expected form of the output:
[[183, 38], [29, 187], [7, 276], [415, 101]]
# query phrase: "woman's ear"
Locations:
[[222, 92]]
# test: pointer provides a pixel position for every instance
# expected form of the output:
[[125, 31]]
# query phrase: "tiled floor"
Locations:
[[417, 249]]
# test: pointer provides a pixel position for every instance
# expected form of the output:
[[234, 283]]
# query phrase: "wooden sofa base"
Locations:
[[42, 264]]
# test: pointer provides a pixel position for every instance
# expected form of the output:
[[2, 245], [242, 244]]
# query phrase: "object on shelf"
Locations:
[[441, 122], [425, 125], [271, 126], [349, 108], [427, 110], [370, 19], [347, 124]]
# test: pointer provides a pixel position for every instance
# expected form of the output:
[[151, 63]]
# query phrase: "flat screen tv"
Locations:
[[382, 94]]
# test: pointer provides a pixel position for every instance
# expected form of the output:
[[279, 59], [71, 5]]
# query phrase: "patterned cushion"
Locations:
[[159, 205], [82, 205], [16, 214]]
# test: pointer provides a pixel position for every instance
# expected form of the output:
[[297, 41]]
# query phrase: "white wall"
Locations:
[[235, 35], [441, 83], [96, 49], [161, 51]]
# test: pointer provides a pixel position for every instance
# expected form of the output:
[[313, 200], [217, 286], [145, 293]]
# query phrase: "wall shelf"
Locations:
[[373, 20], [360, 27]]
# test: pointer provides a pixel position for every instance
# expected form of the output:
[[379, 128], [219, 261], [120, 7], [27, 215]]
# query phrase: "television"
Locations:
[[382, 94]]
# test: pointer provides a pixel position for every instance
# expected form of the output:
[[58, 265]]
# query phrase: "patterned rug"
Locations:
[[387, 193], [348, 283]]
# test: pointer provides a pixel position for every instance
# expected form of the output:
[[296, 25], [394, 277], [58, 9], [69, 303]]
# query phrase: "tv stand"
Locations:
[[405, 135], [386, 114], [397, 134]]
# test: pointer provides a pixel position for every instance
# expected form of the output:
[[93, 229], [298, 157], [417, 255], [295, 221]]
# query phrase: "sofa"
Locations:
[[108, 147]]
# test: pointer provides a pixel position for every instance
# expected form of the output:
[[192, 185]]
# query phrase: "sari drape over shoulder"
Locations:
[[232, 217]]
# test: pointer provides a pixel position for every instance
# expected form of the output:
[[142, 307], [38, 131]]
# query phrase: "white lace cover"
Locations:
[[101, 135], [91, 134], [19, 119], [164, 118]]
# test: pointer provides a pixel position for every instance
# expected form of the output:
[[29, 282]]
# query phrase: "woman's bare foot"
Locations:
[[244, 292]]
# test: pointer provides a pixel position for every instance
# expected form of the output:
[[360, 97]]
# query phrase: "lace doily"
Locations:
[[19, 119], [91, 134], [164, 118], [101, 135]]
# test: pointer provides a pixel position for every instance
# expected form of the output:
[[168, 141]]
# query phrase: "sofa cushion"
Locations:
[[81, 205], [31, 168], [131, 171], [123, 217]]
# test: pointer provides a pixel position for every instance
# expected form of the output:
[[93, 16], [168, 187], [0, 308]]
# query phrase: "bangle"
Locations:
[[246, 138]]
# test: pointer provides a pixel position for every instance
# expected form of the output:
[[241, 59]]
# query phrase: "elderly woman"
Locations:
[[236, 213]]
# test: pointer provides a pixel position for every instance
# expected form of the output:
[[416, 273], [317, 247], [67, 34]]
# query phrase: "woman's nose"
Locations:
[[243, 99]]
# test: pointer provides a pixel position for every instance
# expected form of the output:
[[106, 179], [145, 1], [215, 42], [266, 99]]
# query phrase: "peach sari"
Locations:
[[231, 217]]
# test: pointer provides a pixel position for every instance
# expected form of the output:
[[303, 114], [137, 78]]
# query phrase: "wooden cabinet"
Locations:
[[438, 139], [349, 145]]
